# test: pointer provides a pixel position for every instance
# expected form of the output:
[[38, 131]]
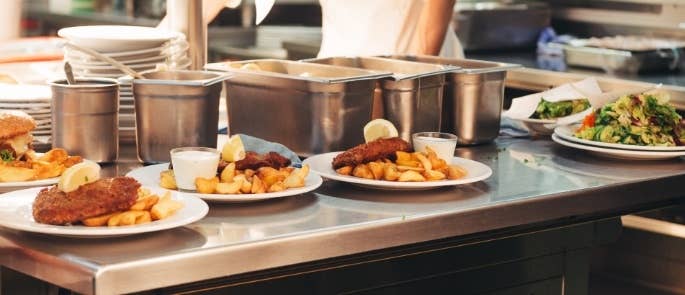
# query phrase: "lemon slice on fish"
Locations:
[[75, 176], [233, 150], [379, 128]]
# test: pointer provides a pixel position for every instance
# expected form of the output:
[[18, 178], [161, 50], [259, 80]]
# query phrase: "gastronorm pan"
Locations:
[[473, 97], [628, 54], [411, 98], [310, 108]]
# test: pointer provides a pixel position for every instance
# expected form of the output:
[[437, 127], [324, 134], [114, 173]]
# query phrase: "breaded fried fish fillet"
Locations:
[[104, 196], [368, 152]]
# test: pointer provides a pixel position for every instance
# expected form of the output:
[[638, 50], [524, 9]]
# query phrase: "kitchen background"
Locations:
[[646, 260]]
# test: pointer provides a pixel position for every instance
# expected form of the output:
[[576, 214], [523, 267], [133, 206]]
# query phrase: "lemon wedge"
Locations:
[[78, 175], [379, 128], [233, 150]]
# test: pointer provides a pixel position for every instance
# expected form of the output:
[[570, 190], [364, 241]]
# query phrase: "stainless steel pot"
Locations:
[[473, 97], [85, 118], [175, 109], [411, 98], [309, 108]]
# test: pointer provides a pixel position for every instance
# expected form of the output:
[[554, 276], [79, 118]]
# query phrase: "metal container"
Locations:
[[473, 99], [411, 98], [309, 108], [175, 109], [624, 61], [483, 25], [85, 118]]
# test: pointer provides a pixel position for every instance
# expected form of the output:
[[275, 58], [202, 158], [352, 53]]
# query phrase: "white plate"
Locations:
[[539, 126], [16, 213], [17, 185], [620, 153], [149, 176], [116, 38], [321, 164], [566, 133]]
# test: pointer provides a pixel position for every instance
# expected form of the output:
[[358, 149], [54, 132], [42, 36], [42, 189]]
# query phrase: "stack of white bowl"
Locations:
[[140, 48], [33, 100]]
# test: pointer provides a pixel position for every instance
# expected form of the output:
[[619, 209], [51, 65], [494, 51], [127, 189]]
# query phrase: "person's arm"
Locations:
[[210, 9], [435, 18]]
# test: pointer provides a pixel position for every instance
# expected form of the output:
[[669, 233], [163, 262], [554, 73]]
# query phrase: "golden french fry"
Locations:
[[271, 176], [10, 174], [277, 187], [362, 171], [72, 160], [129, 217], [403, 156], [409, 163], [145, 217], [55, 155], [390, 172], [455, 172], [402, 168], [48, 169], [145, 203], [205, 185], [257, 185], [249, 173], [376, 169], [115, 219], [232, 187], [167, 180], [346, 170], [228, 173], [296, 178], [288, 169], [432, 175], [246, 186], [165, 197], [303, 172], [98, 220], [165, 208], [424, 161], [411, 176]]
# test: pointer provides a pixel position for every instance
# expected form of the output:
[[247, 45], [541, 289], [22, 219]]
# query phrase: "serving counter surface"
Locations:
[[536, 184]]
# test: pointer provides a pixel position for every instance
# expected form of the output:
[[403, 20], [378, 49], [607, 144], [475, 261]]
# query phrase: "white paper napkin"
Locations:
[[524, 107]]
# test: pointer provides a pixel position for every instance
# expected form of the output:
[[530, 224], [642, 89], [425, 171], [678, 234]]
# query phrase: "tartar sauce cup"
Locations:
[[192, 162], [442, 143]]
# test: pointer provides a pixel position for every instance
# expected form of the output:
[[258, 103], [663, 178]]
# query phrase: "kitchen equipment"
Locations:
[[486, 25], [411, 98], [637, 55], [116, 38], [85, 118], [69, 73], [175, 109], [472, 104], [309, 108]]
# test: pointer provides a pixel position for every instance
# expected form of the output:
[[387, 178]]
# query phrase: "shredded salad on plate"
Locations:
[[638, 119]]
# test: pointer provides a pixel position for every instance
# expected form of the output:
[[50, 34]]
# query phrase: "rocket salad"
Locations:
[[644, 119]]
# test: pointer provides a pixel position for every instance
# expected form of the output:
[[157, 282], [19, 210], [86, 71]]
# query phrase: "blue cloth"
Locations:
[[512, 128], [261, 146]]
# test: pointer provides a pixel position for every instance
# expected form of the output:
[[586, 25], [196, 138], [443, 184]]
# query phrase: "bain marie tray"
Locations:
[[626, 54]]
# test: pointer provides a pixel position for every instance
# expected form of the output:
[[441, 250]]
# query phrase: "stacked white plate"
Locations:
[[35, 101], [564, 136], [141, 48]]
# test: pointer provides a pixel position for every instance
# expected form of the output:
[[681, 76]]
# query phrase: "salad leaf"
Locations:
[[550, 110], [645, 119], [6, 156]]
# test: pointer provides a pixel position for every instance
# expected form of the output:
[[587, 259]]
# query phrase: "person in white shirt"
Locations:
[[378, 27]]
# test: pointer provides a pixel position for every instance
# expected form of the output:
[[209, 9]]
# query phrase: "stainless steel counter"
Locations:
[[536, 184]]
